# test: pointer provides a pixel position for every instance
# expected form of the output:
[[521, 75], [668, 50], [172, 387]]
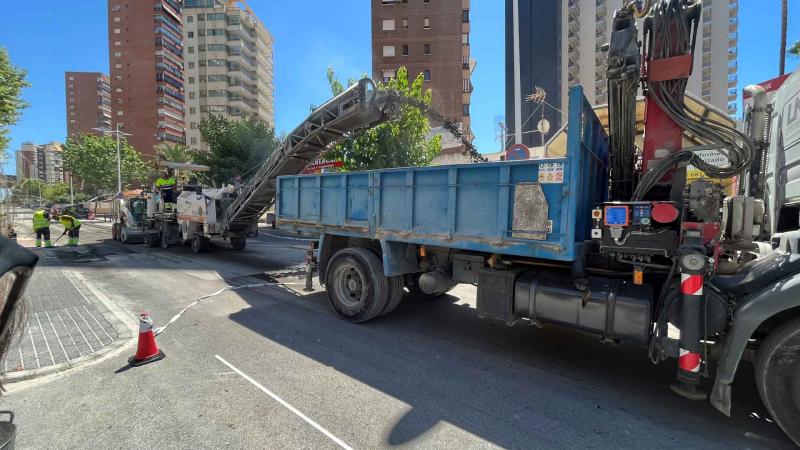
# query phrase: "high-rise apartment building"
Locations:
[[572, 33], [429, 37], [715, 58], [228, 57], [146, 64], [88, 105], [43, 162]]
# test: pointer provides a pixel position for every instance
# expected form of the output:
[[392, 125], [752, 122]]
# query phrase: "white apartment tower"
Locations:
[[588, 27], [227, 62]]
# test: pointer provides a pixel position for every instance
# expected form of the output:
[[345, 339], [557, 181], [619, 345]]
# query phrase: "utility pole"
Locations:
[[784, 15], [119, 134]]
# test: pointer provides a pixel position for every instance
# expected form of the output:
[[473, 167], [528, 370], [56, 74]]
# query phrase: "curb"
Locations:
[[127, 334]]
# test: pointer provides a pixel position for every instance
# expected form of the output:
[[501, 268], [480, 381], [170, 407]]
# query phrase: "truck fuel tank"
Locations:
[[616, 309]]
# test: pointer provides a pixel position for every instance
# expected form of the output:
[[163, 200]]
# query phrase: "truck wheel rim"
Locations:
[[350, 285]]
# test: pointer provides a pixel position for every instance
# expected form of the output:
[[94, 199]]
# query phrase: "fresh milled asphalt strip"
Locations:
[[288, 406]]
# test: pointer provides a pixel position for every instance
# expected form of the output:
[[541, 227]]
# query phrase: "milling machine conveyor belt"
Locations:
[[360, 106]]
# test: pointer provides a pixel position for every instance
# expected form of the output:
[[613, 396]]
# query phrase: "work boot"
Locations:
[[38, 243], [48, 244]]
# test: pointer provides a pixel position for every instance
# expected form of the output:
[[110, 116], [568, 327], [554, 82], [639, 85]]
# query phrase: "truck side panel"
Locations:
[[534, 208]]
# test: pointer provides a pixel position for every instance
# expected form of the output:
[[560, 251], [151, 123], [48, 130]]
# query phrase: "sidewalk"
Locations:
[[68, 322]]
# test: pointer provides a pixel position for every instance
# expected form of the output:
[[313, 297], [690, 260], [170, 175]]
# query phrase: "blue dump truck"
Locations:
[[545, 245]]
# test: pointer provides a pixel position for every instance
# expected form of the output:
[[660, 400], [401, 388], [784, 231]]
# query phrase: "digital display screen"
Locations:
[[617, 215]]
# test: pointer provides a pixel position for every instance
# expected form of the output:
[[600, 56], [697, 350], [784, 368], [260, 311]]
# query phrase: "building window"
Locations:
[[388, 75], [191, 95], [190, 34], [117, 31], [119, 101], [404, 23], [116, 8], [118, 77], [201, 63], [427, 49], [192, 110], [193, 125], [388, 25], [426, 1], [201, 48], [388, 50], [191, 80], [427, 74], [465, 110], [465, 85], [189, 19], [118, 66], [119, 113], [116, 19], [191, 64], [117, 43], [426, 23], [190, 49], [465, 38], [464, 16], [201, 17], [405, 50], [193, 141], [117, 54]]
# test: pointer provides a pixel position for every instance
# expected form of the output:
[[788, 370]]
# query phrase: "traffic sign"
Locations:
[[518, 152]]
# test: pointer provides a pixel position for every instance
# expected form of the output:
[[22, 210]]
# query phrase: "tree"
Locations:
[[175, 153], [795, 49], [400, 143], [236, 147], [12, 81], [93, 160]]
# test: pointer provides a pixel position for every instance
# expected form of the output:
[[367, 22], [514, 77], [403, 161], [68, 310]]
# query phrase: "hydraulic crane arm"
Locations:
[[360, 106]]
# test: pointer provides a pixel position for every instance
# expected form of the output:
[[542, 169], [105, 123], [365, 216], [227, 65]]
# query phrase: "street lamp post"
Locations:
[[119, 133]]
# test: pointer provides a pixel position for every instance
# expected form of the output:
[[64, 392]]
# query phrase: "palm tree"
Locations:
[[795, 49], [174, 153], [784, 18]]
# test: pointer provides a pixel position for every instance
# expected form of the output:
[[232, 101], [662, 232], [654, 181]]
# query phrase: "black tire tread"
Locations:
[[765, 352], [374, 270]]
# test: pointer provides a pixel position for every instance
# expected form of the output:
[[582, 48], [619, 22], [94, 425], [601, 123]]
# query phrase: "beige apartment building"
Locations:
[[587, 26], [228, 64], [43, 162]]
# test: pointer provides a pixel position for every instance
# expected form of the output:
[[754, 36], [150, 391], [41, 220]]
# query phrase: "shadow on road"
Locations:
[[512, 386]]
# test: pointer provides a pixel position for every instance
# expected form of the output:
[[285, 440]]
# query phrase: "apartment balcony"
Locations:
[[574, 26], [573, 42], [574, 11]]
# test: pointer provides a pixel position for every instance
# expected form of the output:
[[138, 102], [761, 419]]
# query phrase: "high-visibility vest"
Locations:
[[69, 222], [40, 221], [166, 183]]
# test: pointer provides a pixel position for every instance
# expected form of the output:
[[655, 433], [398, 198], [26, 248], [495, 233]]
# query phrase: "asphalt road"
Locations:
[[272, 368]]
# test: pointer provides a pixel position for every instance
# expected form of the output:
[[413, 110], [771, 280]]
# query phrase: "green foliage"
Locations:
[[236, 147], [399, 143], [93, 160], [794, 49], [175, 153], [12, 81]]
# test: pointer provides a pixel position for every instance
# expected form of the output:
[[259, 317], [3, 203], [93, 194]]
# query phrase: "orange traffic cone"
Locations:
[[147, 350]]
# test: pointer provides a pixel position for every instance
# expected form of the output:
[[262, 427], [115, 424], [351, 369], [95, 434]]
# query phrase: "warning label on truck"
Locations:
[[551, 173]]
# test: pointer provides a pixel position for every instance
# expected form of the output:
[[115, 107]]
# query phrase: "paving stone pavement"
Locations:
[[66, 322]]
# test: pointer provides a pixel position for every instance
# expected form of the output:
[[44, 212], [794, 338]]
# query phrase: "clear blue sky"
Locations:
[[57, 36]]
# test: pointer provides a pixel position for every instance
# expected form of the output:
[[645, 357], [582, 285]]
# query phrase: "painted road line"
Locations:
[[288, 406]]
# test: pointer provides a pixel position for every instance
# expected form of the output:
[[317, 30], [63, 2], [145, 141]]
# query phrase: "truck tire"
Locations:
[[151, 239], [356, 287], [396, 285], [238, 243], [778, 377], [199, 244], [412, 284], [164, 242]]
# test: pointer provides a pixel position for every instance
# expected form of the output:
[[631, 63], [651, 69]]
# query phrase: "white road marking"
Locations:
[[57, 337], [30, 334], [291, 408], [41, 330]]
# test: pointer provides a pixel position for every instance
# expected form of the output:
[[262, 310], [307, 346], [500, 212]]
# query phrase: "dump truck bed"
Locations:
[[534, 208]]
